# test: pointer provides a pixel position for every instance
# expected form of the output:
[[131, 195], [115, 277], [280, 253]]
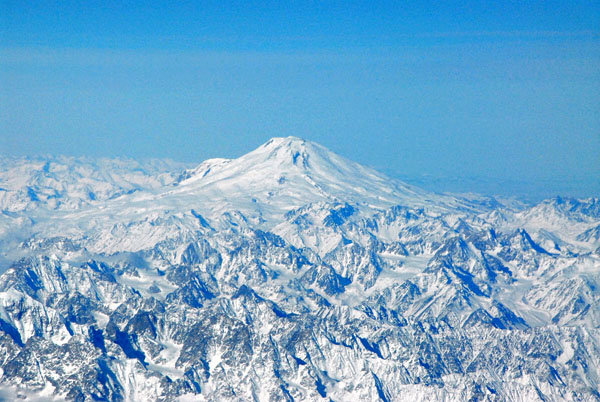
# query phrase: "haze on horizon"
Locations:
[[494, 98]]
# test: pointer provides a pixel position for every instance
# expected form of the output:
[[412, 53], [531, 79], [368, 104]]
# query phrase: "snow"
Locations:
[[165, 361], [238, 184], [567, 352], [147, 281], [101, 319], [140, 219], [9, 393]]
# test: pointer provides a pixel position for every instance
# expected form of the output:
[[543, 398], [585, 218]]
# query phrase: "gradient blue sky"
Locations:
[[505, 93]]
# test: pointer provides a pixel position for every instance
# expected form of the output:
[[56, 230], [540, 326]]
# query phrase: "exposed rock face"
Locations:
[[289, 274]]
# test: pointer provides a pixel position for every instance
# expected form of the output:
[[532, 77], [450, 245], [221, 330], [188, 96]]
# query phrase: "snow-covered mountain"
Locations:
[[290, 273]]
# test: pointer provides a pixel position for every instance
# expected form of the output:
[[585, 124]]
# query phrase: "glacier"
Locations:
[[290, 273]]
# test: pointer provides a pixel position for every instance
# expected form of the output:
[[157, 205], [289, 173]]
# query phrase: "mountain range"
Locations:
[[290, 273]]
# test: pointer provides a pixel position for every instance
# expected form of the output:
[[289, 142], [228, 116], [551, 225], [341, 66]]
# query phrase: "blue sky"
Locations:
[[457, 93]]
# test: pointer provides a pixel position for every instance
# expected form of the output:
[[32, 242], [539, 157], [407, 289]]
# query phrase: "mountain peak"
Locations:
[[289, 172], [286, 150], [289, 142]]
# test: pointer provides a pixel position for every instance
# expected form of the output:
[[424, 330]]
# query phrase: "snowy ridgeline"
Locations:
[[290, 273]]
